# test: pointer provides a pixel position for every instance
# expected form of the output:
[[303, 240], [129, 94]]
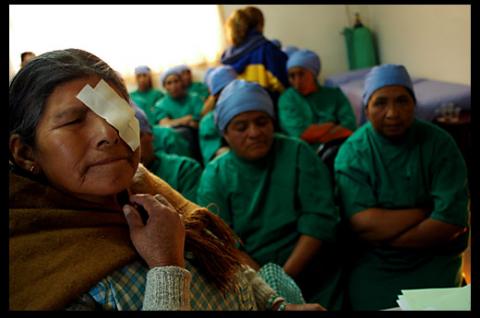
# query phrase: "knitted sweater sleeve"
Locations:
[[261, 290], [167, 288]]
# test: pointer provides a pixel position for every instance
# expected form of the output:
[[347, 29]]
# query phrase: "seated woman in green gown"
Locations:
[[146, 96], [274, 192], [193, 87], [403, 190], [210, 139], [180, 172], [179, 109], [315, 113]]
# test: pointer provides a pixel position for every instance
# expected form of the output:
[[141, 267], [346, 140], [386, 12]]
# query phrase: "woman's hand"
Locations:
[[304, 307], [161, 241]]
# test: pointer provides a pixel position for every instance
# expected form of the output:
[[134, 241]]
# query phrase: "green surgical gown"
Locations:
[[182, 173], [424, 169], [177, 108], [269, 203], [209, 137], [297, 112], [199, 89], [146, 101]]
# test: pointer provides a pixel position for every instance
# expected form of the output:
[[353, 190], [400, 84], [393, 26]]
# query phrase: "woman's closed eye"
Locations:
[[70, 117]]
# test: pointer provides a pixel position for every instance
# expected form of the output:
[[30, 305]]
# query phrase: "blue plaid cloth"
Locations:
[[125, 287], [284, 285]]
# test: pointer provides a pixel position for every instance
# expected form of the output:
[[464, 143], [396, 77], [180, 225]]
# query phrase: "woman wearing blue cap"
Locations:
[[308, 110], [180, 172], [403, 189], [211, 143], [145, 96], [179, 109], [273, 191], [193, 87]]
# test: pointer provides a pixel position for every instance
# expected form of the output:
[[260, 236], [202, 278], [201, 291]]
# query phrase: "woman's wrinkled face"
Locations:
[[250, 134], [302, 80], [391, 110], [77, 150], [174, 86]]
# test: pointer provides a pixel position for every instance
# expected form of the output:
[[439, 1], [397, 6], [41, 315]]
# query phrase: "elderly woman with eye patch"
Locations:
[[403, 190], [90, 227]]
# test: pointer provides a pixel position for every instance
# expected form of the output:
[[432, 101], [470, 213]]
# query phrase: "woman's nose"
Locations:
[[253, 130], [392, 111], [104, 133]]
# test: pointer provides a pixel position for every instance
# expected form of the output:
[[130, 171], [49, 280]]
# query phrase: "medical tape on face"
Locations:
[[106, 103]]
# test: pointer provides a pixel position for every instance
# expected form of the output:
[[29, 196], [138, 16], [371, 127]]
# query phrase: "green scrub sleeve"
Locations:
[[345, 114], [209, 194], [292, 118], [354, 190], [160, 113], [319, 216], [189, 177], [449, 185]]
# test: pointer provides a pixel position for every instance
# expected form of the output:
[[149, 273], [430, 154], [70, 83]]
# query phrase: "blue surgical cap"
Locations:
[[143, 69], [182, 67], [206, 77], [220, 77], [289, 50], [386, 75], [306, 59], [168, 72], [239, 97], [276, 42], [142, 119]]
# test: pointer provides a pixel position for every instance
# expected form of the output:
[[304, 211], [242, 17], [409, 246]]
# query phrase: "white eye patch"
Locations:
[[106, 103]]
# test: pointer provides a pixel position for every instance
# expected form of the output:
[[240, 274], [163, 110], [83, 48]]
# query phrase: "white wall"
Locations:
[[432, 41]]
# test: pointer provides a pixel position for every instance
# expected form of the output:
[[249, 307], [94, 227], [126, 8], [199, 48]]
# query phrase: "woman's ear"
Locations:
[[23, 154], [365, 109]]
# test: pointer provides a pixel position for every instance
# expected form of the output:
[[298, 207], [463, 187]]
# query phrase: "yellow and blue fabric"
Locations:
[[175, 108], [386, 75], [424, 169], [277, 43], [180, 172], [238, 97], [270, 202], [259, 60]]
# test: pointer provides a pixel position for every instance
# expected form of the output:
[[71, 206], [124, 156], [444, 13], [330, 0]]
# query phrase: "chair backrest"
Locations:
[[328, 151]]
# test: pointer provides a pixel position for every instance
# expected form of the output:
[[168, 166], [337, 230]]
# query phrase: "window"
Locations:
[[125, 36]]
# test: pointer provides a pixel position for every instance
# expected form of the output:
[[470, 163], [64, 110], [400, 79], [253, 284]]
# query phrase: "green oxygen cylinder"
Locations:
[[360, 46]]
